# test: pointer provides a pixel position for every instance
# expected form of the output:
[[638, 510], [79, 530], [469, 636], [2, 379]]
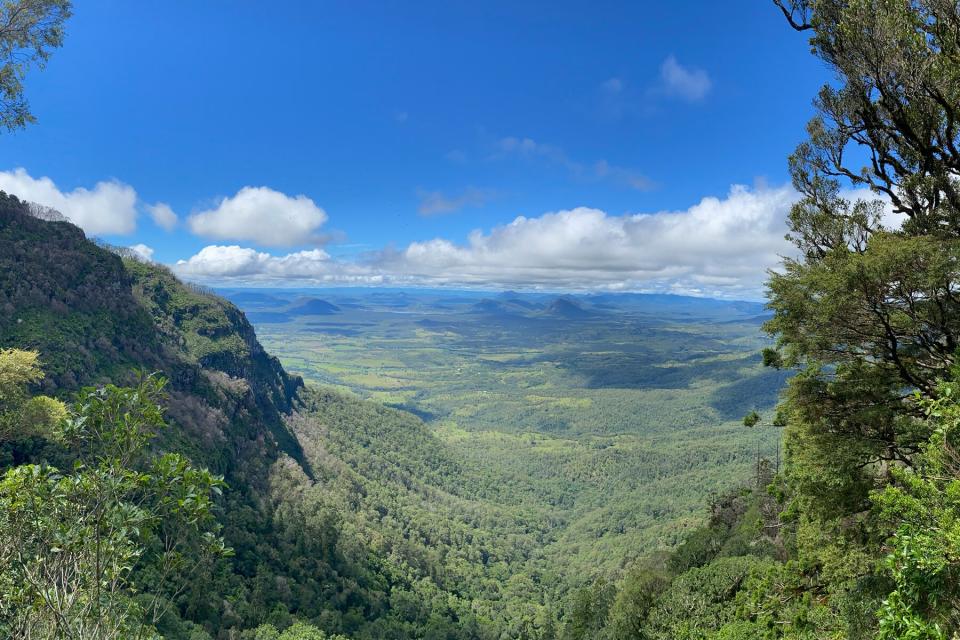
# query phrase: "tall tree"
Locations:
[[869, 309]]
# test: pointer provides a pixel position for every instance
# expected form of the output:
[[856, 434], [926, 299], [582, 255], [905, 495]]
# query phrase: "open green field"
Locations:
[[615, 419]]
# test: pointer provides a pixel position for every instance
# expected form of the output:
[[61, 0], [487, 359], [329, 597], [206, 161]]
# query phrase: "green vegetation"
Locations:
[[857, 537], [544, 471], [20, 413], [361, 519], [606, 431], [71, 540]]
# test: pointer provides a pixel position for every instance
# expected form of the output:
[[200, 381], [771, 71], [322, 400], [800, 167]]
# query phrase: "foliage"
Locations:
[[296, 631], [868, 312], [589, 612], [923, 510], [70, 541], [636, 594], [699, 590], [20, 414], [865, 525], [29, 31]]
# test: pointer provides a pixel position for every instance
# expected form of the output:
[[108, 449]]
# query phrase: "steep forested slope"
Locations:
[[96, 317]]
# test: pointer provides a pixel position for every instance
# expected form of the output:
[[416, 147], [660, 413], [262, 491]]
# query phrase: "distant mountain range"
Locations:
[[285, 305]]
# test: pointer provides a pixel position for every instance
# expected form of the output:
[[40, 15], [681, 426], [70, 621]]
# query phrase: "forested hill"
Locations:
[[97, 318]]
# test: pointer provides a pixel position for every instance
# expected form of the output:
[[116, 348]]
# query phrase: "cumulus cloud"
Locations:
[[718, 247], [143, 251], [434, 203], [601, 170], [261, 215], [683, 82], [163, 216], [108, 208]]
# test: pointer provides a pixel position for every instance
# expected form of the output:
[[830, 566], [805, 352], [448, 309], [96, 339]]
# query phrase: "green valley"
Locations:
[[613, 416]]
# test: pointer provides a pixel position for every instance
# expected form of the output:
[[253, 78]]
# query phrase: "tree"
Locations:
[[70, 541], [868, 310], [637, 594], [588, 611], [20, 414], [29, 31]]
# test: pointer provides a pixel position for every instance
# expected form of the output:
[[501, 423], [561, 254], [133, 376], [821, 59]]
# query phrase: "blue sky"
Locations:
[[407, 127]]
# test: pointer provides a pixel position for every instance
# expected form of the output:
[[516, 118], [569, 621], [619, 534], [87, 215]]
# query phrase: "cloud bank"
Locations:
[[261, 215], [236, 263], [718, 247]]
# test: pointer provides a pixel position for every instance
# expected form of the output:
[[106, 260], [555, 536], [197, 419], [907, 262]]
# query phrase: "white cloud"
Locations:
[[263, 216], [241, 264], [163, 215], [143, 251], [718, 247], [109, 208], [434, 203], [687, 83]]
